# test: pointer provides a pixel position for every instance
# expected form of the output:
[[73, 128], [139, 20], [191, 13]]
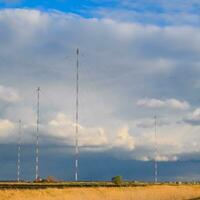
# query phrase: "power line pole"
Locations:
[[19, 152], [156, 153], [77, 117], [37, 136]]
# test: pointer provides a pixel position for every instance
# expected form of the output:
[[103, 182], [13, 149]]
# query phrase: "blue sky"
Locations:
[[138, 59], [78, 6], [154, 11]]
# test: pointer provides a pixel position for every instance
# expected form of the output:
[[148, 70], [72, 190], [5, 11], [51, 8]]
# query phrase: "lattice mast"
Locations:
[[19, 151], [156, 152], [77, 117], [37, 136]]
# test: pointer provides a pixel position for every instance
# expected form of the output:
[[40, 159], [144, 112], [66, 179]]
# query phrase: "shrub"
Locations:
[[117, 180]]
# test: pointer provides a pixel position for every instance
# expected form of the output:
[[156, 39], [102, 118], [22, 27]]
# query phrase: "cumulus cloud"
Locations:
[[168, 103], [193, 118], [5, 125], [175, 141], [124, 140], [8, 94], [63, 127], [6, 131], [120, 62], [150, 122], [61, 131], [90, 138], [160, 158], [166, 158]]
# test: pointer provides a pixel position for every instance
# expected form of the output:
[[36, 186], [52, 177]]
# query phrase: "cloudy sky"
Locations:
[[138, 59]]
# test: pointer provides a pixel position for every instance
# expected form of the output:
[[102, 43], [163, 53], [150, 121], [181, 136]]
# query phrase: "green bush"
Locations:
[[117, 180]]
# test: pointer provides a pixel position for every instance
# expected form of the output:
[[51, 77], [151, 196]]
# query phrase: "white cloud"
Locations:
[[61, 130], [7, 131], [150, 122], [151, 103], [8, 94], [166, 158], [90, 138], [5, 125], [64, 128], [168, 103], [124, 140], [144, 158], [159, 158], [175, 141], [120, 63], [193, 118]]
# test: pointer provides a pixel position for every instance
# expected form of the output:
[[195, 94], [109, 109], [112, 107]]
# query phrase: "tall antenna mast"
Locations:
[[77, 116], [19, 152], [156, 153], [37, 136]]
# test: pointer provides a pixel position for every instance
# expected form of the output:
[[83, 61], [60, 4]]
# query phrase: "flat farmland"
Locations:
[[151, 192]]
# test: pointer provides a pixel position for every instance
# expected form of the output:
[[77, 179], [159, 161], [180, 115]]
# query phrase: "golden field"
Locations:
[[162, 192]]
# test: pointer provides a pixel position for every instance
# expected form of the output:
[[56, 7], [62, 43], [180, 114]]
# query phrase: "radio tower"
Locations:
[[156, 153], [19, 152], [37, 136], [77, 117]]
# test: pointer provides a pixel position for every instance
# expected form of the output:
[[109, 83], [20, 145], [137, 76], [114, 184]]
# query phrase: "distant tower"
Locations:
[[77, 117], [37, 136], [156, 153], [19, 152]]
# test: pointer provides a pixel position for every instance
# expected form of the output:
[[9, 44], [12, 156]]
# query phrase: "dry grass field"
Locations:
[[163, 192]]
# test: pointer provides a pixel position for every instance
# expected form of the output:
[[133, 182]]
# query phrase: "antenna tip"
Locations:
[[77, 50]]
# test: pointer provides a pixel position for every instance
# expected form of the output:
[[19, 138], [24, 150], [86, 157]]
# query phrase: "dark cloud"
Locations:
[[60, 164], [193, 122]]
